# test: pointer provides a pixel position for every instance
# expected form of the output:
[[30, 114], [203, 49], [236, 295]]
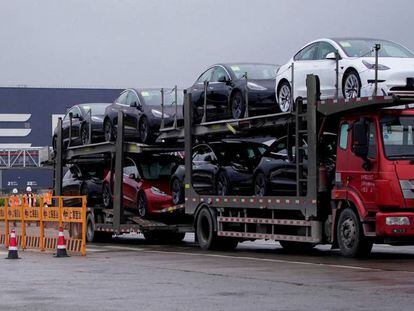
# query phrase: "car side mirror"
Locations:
[[139, 106], [360, 141], [223, 79], [133, 104], [331, 56], [132, 176]]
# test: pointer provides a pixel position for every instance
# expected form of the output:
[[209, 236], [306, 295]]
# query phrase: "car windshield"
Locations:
[[254, 71], [398, 136], [153, 97], [97, 109], [364, 48], [152, 168]]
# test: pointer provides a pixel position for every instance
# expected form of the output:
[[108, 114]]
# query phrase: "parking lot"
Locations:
[[133, 275]]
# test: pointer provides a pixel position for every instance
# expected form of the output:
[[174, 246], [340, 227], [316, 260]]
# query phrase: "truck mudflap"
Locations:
[[399, 224]]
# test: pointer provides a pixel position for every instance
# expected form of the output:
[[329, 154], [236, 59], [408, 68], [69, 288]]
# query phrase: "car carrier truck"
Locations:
[[353, 194]]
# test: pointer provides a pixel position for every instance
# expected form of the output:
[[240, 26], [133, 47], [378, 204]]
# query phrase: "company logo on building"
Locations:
[[15, 117]]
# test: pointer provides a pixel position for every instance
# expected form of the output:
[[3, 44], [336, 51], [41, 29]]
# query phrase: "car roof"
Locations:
[[355, 38], [138, 90]]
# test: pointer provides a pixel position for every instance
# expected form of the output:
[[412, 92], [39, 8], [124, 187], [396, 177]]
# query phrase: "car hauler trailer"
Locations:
[[169, 225], [369, 200]]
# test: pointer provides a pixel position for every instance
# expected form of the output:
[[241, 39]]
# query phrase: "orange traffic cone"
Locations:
[[61, 245], [13, 254]]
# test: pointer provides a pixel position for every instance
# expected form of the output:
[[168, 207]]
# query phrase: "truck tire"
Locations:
[[207, 237], [350, 235], [95, 236], [296, 247]]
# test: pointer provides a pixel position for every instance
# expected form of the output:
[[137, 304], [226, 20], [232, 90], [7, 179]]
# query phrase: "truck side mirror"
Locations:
[[360, 140]]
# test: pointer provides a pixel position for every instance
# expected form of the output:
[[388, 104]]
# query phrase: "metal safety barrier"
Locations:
[[47, 212]]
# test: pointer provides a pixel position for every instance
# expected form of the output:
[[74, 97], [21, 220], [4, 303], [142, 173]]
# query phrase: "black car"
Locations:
[[83, 180], [276, 172], [82, 116], [226, 91], [142, 108], [221, 168]]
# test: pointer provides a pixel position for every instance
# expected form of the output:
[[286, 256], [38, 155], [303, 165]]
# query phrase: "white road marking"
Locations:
[[304, 263]]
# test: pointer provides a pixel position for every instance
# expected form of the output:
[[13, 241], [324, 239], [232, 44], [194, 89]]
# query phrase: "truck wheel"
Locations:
[[350, 235], [90, 228], [207, 237], [205, 230], [296, 247]]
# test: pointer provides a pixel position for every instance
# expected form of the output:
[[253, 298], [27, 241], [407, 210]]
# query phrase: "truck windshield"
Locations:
[[398, 136]]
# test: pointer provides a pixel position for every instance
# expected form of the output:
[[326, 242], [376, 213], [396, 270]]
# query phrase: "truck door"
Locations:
[[361, 178]]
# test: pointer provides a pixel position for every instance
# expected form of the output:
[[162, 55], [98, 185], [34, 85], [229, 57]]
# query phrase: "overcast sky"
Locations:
[[156, 43]]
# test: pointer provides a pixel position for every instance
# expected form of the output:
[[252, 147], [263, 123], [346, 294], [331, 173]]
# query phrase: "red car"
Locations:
[[145, 184]]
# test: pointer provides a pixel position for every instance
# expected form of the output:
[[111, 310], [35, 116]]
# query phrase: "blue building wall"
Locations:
[[40, 104]]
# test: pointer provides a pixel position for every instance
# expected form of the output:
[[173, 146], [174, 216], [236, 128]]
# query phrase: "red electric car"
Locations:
[[145, 184]]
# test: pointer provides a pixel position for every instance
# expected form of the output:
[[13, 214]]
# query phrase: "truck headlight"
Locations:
[[397, 221]]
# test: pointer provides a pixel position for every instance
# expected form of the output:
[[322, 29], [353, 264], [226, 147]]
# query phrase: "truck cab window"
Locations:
[[372, 141], [343, 139]]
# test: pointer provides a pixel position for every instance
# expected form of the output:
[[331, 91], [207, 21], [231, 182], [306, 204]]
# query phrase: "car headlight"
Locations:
[[157, 191], [158, 114], [255, 86], [397, 221], [372, 66]]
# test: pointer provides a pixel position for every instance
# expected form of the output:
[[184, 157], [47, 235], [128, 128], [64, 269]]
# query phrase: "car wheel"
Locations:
[[222, 187], [142, 205], [144, 130], [106, 196], [351, 85], [284, 97], [177, 192], [350, 235], [261, 187], [108, 131], [238, 106], [84, 135]]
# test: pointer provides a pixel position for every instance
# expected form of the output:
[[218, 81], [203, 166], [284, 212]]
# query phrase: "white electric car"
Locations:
[[356, 69]]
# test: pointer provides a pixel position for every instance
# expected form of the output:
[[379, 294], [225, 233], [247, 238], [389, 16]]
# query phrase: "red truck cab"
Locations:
[[375, 177]]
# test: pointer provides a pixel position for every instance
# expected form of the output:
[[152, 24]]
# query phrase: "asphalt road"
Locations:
[[129, 274]]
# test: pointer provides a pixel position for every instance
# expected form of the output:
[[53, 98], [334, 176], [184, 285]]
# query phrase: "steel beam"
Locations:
[[118, 207], [58, 160]]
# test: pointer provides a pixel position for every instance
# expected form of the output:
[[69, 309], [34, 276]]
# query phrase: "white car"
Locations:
[[356, 70]]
